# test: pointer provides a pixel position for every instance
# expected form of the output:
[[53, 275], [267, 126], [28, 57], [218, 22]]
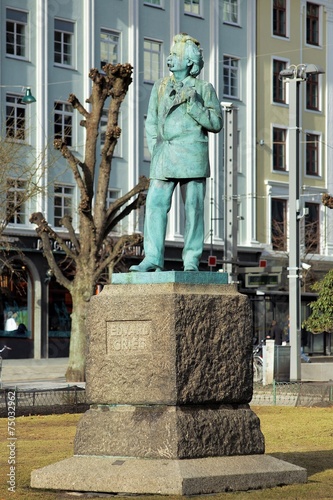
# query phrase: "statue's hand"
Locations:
[[189, 94]]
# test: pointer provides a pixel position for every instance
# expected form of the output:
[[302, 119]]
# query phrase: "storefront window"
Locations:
[[15, 310], [60, 308]]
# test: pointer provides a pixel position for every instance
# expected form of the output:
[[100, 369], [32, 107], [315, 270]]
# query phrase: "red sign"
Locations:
[[262, 263], [212, 260]]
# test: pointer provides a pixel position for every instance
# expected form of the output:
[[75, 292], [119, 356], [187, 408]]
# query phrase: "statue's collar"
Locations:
[[188, 80]]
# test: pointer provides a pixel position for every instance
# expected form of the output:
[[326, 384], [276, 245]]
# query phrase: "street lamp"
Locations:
[[295, 75], [28, 98]]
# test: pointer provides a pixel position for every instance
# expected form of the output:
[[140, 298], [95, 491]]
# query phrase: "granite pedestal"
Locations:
[[169, 378]]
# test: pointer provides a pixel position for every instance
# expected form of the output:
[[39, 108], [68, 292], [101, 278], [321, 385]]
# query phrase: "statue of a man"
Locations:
[[182, 110]]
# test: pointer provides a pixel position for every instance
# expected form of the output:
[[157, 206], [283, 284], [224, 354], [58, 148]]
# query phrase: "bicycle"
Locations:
[[258, 363]]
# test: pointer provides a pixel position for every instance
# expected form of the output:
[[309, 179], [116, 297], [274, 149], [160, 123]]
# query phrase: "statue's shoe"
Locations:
[[191, 267], [145, 267]]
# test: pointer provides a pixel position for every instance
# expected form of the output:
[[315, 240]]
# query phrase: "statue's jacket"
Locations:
[[177, 130]]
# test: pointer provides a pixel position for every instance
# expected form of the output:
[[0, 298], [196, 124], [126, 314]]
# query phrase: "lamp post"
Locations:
[[295, 75]]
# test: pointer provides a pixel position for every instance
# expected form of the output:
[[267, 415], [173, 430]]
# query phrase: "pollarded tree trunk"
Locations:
[[81, 293], [92, 251]]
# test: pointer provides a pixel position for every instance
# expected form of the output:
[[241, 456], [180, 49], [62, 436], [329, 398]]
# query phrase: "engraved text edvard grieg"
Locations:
[[128, 337]]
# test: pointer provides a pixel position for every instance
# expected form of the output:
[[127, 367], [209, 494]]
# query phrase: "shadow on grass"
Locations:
[[313, 461]]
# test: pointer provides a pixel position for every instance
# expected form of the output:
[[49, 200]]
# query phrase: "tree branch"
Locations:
[[116, 252], [44, 229], [114, 220], [49, 255], [142, 185], [327, 200]]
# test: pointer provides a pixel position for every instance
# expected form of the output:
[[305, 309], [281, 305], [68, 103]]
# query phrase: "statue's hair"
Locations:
[[193, 51]]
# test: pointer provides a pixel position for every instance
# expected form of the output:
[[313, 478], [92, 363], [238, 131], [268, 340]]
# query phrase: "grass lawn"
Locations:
[[302, 436]]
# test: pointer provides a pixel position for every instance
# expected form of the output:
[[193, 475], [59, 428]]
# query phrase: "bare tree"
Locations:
[[20, 175], [92, 251]]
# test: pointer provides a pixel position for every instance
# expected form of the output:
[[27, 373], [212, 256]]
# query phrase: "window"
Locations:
[[279, 86], [103, 125], [15, 117], [113, 195], [192, 7], [279, 18], [16, 33], [158, 3], [230, 11], [279, 149], [279, 224], [63, 203], [230, 77], [312, 92], [312, 154], [312, 233], [152, 60], [63, 42], [110, 43], [312, 23], [63, 122], [15, 201]]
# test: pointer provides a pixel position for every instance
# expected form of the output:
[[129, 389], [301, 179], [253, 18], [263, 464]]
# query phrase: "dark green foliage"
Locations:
[[321, 317]]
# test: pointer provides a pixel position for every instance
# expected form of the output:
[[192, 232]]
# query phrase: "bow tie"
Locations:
[[176, 87]]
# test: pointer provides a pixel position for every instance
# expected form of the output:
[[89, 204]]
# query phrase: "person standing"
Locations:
[[304, 343], [181, 112], [275, 333]]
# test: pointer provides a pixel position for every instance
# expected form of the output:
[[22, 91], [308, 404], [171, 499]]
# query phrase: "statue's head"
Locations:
[[192, 51]]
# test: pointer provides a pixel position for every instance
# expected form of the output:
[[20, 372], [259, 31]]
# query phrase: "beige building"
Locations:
[[290, 34]]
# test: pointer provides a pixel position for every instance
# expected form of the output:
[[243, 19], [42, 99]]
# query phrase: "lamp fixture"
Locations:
[[28, 98], [301, 71]]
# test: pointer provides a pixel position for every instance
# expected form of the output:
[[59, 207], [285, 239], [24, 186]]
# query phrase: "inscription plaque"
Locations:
[[128, 337]]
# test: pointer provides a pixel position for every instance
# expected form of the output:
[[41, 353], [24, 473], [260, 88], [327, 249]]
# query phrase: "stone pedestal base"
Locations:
[[169, 375], [169, 431], [167, 477]]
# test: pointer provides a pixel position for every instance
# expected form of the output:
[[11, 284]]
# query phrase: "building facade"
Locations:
[[51, 45], [298, 33]]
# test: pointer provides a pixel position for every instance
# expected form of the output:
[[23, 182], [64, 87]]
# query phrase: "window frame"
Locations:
[[114, 33], [110, 199], [19, 204], [149, 3], [16, 105], [313, 248], [230, 68], [16, 34], [284, 223], [225, 21], [277, 33], [309, 40], [279, 149], [278, 84], [312, 89], [64, 113], [190, 12], [311, 150], [63, 43], [159, 53], [63, 196]]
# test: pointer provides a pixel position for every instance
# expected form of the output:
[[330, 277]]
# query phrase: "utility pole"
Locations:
[[230, 190], [295, 75]]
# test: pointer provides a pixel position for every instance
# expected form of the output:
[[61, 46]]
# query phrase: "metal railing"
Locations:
[[293, 394], [70, 399]]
